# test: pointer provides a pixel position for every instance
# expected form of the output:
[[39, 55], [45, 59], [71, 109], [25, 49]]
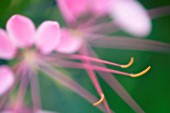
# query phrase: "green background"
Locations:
[[152, 91]]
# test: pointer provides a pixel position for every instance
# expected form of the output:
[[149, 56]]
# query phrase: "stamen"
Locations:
[[100, 101], [129, 64], [81, 57], [141, 73]]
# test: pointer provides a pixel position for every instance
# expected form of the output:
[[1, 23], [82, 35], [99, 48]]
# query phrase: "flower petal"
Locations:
[[71, 9], [69, 43], [21, 29], [131, 17], [7, 48], [6, 79], [100, 7], [47, 36]]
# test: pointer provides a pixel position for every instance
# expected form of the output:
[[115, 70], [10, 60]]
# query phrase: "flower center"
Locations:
[[76, 33], [30, 57]]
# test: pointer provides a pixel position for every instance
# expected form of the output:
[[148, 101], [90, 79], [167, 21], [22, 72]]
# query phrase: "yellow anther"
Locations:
[[141, 73], [129, 64], [100, 101]]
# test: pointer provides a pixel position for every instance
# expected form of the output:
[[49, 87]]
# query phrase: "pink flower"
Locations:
[[21, 34], [135, 21], [17, 42], [33, 51]]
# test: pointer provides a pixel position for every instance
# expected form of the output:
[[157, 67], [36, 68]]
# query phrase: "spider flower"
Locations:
[[17, 43], [135, 21], [32, 51], [20, 34]]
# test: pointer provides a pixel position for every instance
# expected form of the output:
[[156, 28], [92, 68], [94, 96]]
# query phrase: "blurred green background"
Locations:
[[151, 91]]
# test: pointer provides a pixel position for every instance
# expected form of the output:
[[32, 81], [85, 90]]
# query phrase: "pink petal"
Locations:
[[7, 48], [6, 79], [21, 29], [47, 36], [71, 9], [69, 42], [131, 17], [100, 7]]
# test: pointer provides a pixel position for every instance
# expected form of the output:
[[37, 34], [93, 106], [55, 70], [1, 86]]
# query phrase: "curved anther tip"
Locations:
[[141, 73], [100, 101], [129, 64]]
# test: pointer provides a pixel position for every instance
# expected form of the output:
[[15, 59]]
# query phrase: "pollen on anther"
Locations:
[[100, 101], [141, 73], [129, 64]]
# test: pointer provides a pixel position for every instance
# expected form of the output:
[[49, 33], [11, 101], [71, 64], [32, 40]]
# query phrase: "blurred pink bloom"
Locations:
[[129, 15], [21, 33], [18, 43]]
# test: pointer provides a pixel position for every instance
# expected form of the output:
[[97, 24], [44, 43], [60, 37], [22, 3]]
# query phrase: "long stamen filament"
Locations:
[[141, 73], [102, 61], [100, 101], [129, 64]]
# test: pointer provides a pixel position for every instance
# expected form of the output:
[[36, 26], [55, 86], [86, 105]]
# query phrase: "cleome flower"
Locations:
[[23, 43], [42, 50], [135, 21], [20, 33]]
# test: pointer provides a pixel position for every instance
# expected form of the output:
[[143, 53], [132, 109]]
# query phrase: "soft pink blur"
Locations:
[[6, 79]]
